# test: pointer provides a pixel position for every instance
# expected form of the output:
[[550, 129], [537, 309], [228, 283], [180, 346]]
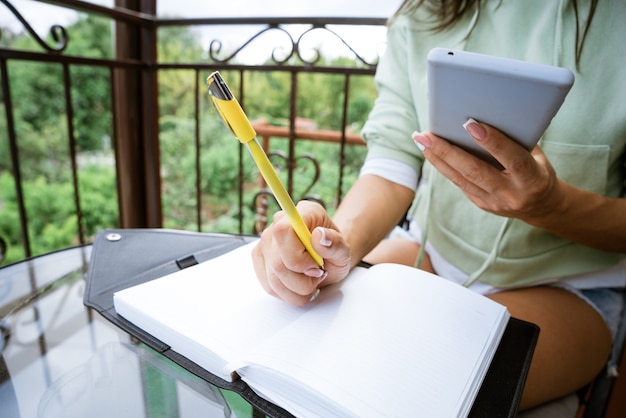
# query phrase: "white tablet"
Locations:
[[517, 97]]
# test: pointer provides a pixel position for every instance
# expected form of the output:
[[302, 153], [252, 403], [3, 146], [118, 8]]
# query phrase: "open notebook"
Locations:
[[388, 341]]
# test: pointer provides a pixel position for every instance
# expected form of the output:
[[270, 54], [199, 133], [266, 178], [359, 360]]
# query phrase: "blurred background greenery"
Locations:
[[44, 157]]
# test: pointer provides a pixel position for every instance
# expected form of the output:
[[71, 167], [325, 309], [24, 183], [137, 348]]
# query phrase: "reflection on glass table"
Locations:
[[61, 359]]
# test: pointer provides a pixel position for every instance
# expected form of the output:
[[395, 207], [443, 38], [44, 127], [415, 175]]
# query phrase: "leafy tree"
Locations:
[[98, 197], [177, 88], [51, 213], [267, 95], [9, 217], [42, 131], [39, 108], [90, 36], [37, 93]]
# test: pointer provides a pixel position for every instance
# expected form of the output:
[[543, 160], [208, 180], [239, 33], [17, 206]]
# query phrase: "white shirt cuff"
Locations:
[[392, 170]]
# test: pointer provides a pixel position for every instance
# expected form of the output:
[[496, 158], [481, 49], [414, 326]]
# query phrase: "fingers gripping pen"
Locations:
[[235, 119]]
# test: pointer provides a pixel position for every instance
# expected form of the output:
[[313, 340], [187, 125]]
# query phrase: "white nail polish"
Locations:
[[315, 272], [420, 146], [314, 295], [467, 122], [325, 242]]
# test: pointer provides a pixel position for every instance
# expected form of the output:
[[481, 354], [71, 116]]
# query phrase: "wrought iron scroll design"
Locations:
[[280, 161], [215, 47], [57, 32]]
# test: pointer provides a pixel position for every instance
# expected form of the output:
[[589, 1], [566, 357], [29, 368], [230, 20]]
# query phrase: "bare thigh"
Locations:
[[574, 342], [400, 251]]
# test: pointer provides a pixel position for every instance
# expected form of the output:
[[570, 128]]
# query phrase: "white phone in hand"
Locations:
[[517, 97]]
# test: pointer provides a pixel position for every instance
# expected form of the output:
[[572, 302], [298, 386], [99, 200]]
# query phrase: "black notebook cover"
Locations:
[[123, 258]]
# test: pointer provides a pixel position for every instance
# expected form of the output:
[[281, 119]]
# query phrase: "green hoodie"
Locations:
[[585, 142]]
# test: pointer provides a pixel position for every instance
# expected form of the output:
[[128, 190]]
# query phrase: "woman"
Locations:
[[546, 236]]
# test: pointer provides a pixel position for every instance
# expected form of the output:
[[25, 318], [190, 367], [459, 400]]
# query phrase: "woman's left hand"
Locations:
[[526, 187]]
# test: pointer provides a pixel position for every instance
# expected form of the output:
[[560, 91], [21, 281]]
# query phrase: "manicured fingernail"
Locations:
[[475, 129], [314, 272], [326, 242], [314, 295], [421, 141]]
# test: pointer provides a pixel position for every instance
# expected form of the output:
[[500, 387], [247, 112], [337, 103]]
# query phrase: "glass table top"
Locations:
[[61, 359]]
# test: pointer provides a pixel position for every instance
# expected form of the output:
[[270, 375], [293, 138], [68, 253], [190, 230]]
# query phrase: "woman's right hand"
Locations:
[[283, 266]]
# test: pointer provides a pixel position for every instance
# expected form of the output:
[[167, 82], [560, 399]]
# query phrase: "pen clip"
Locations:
[[229, 109], [218, 87]]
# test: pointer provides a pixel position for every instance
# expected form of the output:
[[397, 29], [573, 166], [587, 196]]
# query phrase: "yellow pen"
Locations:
[[236, 120]]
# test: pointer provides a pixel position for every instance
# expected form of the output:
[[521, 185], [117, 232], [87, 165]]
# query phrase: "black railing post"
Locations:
[[15, 161]]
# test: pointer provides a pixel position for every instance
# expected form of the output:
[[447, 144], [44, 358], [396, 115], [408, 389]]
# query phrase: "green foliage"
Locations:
[[267, 94], [177, 88], [41, 127], [49, 203], [51, 213], [9, 218], [38, 96], [90, 36], [98, 197], [41, 153], [320, 97], [41, 122], [37, 93], [92, 107]]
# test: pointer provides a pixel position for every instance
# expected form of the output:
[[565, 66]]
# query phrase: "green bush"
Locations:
[[41, 127], [51, 213]]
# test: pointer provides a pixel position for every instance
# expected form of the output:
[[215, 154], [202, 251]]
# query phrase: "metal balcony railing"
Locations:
[[134, 95]]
